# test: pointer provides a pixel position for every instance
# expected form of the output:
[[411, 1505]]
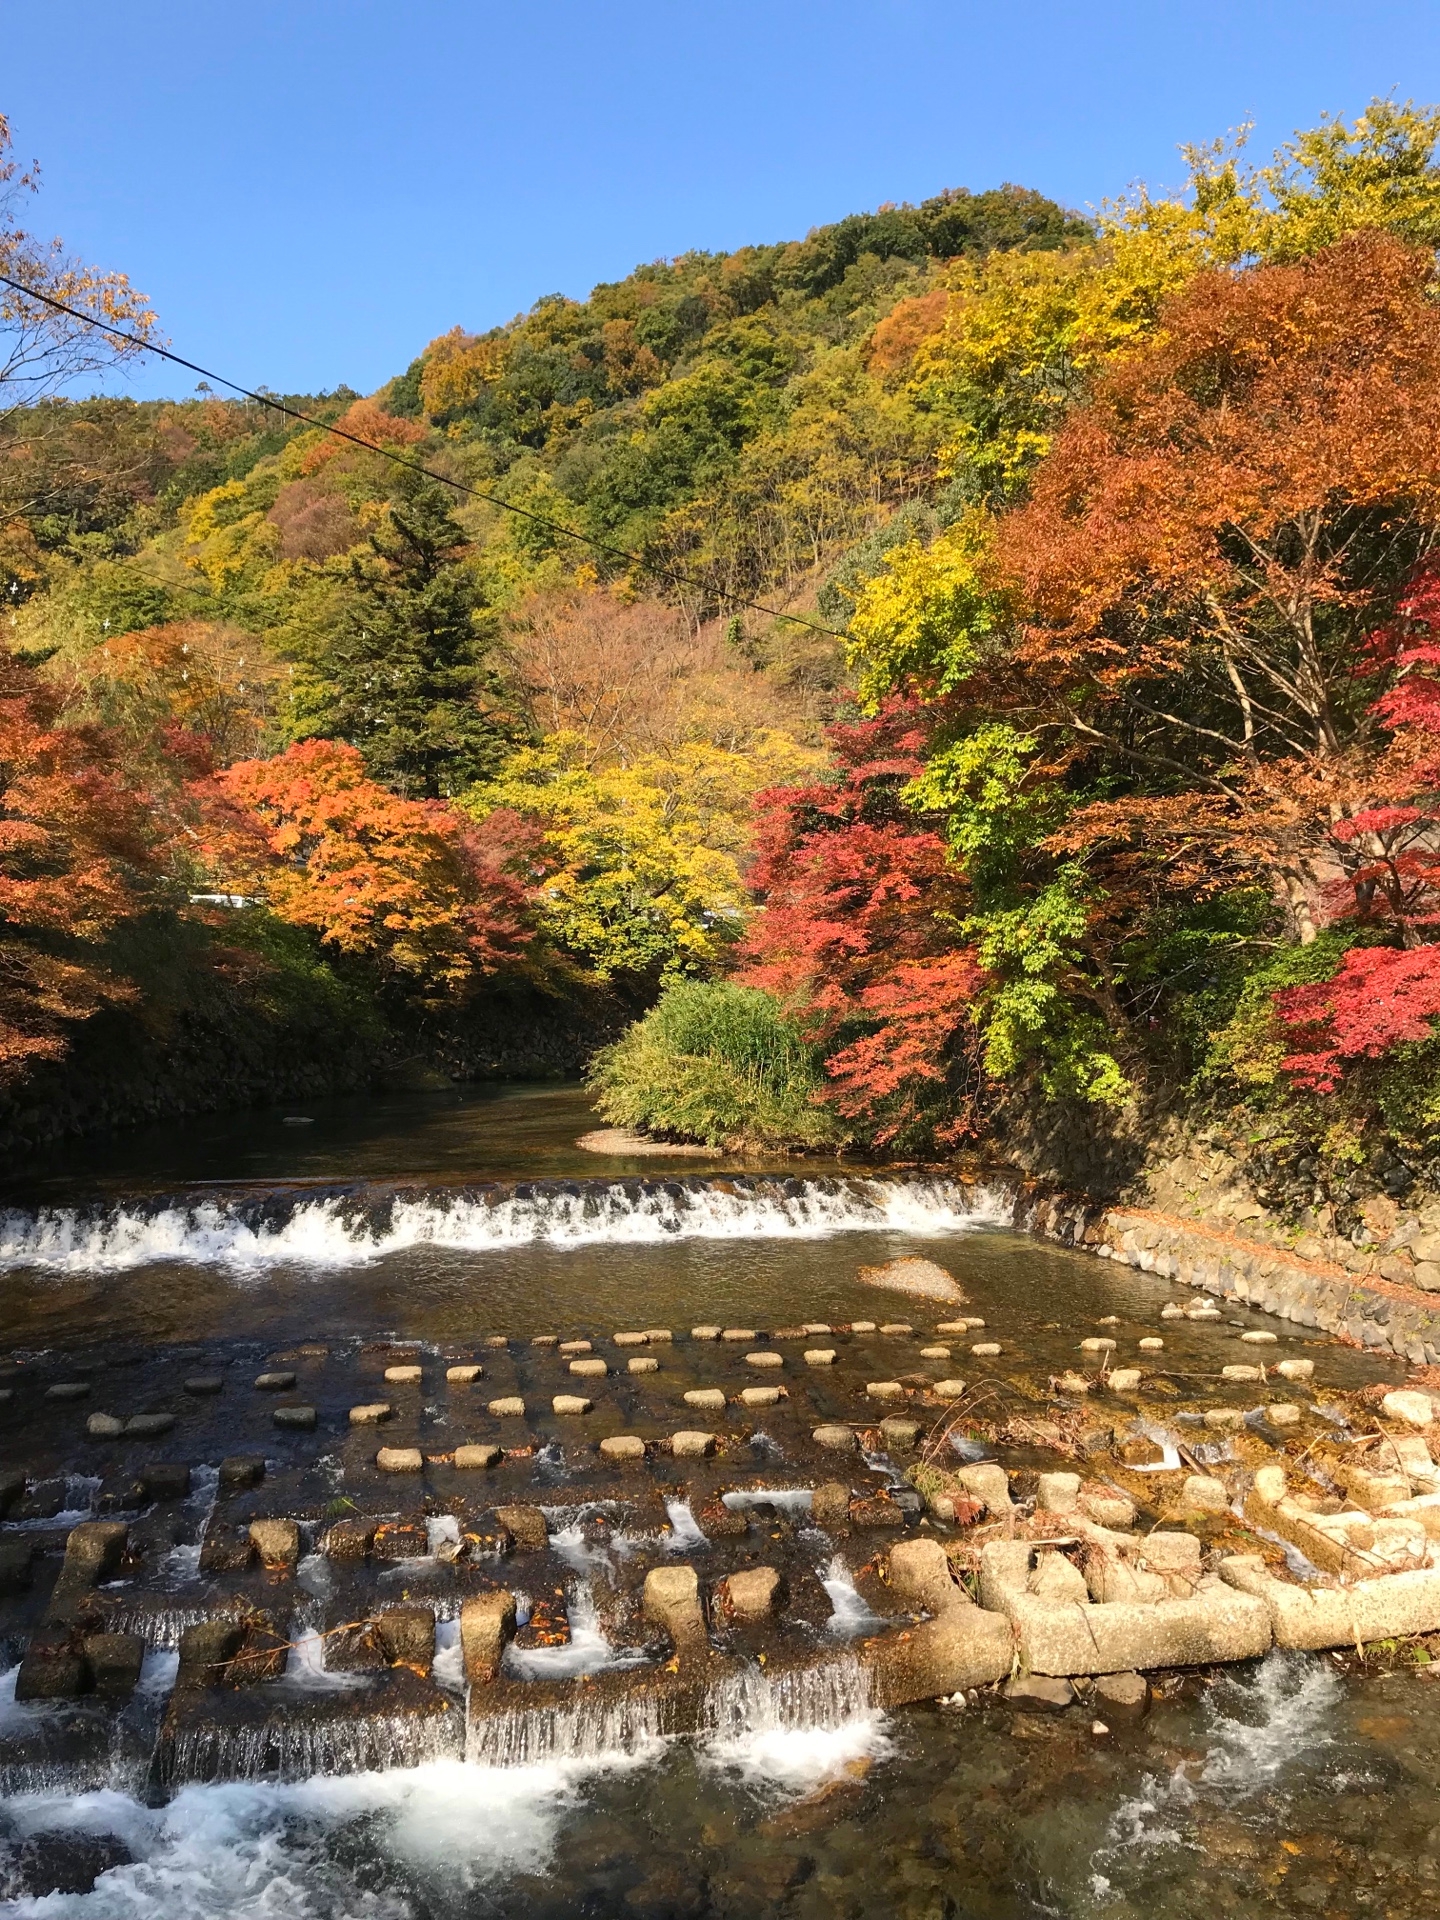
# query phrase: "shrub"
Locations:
[[716, 1063]]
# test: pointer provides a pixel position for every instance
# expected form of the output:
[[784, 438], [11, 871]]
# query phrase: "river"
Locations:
[[1297, 1784]]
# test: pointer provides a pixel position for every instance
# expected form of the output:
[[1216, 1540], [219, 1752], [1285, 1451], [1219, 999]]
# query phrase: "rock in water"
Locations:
[[912, 1275]]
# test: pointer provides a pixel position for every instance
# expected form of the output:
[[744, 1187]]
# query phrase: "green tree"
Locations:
[[404, 673]]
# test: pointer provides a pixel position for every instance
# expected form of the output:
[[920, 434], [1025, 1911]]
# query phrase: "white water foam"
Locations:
[[789, 1732], [257, 1850], [587, 1651], [330, 1233], [853, 1615]]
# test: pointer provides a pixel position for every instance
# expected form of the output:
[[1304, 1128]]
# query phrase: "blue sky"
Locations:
[[310, 190]]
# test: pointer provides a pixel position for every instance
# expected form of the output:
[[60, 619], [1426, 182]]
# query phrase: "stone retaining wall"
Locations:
[[1366, 1312]]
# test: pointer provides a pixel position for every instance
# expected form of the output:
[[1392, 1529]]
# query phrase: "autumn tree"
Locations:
[[409, 885], [78, 855]]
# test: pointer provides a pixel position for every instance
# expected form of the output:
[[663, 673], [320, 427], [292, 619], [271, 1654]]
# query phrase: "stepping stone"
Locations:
[[463, 1376], [971, 1323], [762, 1396], [571, 1403], [900, 1434], [985, 1349], [371, 1414], [818, 1326], [148, 1426], [897, 1327], [764, 1360], [1305, 1370], [590, 1369], [167, 1480], [885, 1390], [1109, 1320], [274, 1382], [497, 1340], [820, 1356], [1073, 1383], [68, 1390], [1240, 1373], [948, 1389], [749, 1595], [402, 1376], [631, 1339], [399, 1460], [838, 1439], [643, 1363], [296, 1419], [709, 1397], [482, 1454], [276, 1541], [1152, 1345], [1123, 1379], [546, 1340], [1283, 1414], [1096, 1345], [862, 1326], [1203, 1494], [1172, 1312], [114, 1660], [704, 1333], [739, 1333], [1057, 1492], [200, 1383], [658, 1336], [1255, 1339], [688, 1445], [934, 1353], [526, 1525], [623, 1446], [1221, 1419], [241, 1470], [576, 1346], [104, 1426], [953, 1326], [510, 1408]]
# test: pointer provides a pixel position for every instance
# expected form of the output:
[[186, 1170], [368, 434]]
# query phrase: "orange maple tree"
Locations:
[[78, 854], [411, 884]]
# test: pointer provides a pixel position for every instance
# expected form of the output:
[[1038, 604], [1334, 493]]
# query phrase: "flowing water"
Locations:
[[1296, 1785]]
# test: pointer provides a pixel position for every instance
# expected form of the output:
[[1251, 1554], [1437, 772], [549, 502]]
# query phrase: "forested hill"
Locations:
[[1088, 770]]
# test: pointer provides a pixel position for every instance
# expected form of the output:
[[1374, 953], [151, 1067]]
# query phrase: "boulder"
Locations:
[[1037, 1694], [1414, 1408], [1057, 1492], [1123, 1696]]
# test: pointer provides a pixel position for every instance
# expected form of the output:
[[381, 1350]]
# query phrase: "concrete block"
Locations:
[[671, 1598], [276, 1541], [819, 1356], [463, 1376], [1057, 1492], [481, 1455], [690, 1445], [407, 1376], [510, 1407], [989, 1483], [371, 1414], [1313, 1618], [837, 1438], [487, 1623], [571, 1403], [623, 1446], [1203, 1494], [526, 1525], [750, 1594], [400, 1460]]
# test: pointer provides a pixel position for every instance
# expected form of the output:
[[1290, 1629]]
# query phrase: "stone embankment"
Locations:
[[1195, 1220]]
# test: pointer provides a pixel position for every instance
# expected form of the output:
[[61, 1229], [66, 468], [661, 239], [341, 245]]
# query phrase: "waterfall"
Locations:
[[338, 1226], [792, 1699], [296, 1746], [586, 1727]]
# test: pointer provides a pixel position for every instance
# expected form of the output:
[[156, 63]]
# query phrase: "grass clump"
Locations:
[[716, 1063]]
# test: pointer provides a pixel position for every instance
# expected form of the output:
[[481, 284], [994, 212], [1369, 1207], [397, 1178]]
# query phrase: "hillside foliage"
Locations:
[[1086, 745]]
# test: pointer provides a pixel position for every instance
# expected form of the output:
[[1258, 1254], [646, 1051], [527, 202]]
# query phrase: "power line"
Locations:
[[416, 466]]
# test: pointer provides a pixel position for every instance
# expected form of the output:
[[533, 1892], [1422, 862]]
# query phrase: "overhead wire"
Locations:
[[277, 405]]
